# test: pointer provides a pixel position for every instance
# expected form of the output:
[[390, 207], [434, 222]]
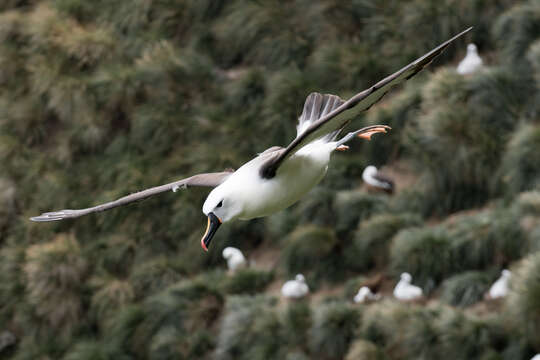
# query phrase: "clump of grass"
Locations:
[[534, 239], [152, 276], [520, 169], [350, 207], [523, 301], [469, 242], [533, 55], [244, 33], [333, 330], [383, 321], [55, 273], [434, 331], [466, 337], [7, 201], [12, 281], [317, 209], [250, 329], [110, 294], [248, 281], [168, 324], [466, 288], [372, 238], [460, 113], [94, 350], [298, 319], [516, 29], [489, 238], [364, 350], [312, 249], [528, 203], [423, 252]]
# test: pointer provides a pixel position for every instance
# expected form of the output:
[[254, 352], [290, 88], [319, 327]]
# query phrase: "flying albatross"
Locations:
[[278, 177]]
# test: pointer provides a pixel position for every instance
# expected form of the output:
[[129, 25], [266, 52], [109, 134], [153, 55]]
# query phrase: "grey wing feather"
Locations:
[[316, 106], [362, 101], [206, 180]]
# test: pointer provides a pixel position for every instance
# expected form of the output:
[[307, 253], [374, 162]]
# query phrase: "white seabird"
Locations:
[[296, 288], [235, 258], [365, 294], [278, 177], [500, 287], [405, 291], [373, 178], [471, 62]]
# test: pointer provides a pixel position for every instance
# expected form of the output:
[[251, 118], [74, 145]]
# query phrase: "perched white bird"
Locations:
[[373, 178], [536, 357], [404, 290], [296, 288], [500, 287], [471, 62], [279, 177], [365, 294], [235, 258]]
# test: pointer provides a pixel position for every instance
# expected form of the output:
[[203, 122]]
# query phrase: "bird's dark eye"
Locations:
[[220, 204]]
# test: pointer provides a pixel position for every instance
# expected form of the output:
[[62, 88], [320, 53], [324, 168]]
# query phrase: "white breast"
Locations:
[[500, 287], [295, 177], [365, 294], [471, 62], [295, 288], [405, 291], [235, 258]]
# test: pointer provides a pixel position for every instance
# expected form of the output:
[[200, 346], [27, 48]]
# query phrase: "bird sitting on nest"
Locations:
[[365, 294], [377, 181], [279, 176], [471, 63], [295, 289], [405, 291], [499, 288], [235, 258]]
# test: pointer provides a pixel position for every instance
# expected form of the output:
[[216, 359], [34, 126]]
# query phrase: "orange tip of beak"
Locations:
[[203, 246], [342, 148]]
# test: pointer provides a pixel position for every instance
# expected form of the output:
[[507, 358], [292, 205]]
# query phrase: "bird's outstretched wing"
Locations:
[[205, 180], [334, 120]]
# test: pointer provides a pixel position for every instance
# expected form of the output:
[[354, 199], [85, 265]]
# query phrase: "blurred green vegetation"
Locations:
[[100, 99]]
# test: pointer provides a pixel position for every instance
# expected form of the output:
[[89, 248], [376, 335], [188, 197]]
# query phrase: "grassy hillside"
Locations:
[[104, 98]]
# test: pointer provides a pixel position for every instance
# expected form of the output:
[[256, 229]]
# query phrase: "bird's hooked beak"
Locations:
[[213, 224]]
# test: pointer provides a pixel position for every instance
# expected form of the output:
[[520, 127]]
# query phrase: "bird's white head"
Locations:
[[364, 290], [370, 170], [229, 252], [406, 277], [471, 48], [220, 206], [300, 278]]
